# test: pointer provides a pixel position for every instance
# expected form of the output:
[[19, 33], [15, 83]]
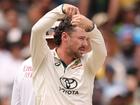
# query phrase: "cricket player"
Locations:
[[65, 75]]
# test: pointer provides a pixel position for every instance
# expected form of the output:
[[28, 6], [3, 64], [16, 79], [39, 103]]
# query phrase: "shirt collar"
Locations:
[[74, 62]]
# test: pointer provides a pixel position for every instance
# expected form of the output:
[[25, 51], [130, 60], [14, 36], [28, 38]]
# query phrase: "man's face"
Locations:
[[78, 43]]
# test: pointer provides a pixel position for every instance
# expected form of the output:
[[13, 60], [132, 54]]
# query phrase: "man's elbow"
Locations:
[[103, 53]]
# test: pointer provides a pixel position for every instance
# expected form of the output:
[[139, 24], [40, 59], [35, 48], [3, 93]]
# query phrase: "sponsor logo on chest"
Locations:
[[68, 86]]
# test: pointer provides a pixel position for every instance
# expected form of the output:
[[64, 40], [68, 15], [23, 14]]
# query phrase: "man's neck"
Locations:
[[67, 59]]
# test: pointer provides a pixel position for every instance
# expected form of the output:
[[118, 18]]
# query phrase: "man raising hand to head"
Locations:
[[65, 75]]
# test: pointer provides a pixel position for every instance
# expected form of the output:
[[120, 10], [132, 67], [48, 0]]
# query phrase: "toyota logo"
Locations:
[[68, 83]]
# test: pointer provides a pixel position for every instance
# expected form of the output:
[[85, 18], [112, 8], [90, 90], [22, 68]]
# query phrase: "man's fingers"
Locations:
[[70, 10], [75, 22], [77, 11], [77, 16]]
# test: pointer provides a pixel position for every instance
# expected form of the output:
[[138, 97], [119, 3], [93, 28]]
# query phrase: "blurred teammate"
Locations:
[[23, 89], [65, 75]]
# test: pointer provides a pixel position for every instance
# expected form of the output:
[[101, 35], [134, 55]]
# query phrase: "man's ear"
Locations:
[[65, 36]]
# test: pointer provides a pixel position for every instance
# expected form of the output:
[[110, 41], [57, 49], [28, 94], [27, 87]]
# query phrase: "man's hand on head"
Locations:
[[83, 22], [77, 18], [70, 10]]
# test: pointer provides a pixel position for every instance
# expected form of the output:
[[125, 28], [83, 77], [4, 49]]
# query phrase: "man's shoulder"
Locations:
[[25, 70], [27, 62], [27, 66]]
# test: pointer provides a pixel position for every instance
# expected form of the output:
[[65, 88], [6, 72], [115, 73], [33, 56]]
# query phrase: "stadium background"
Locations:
[[117, 82]]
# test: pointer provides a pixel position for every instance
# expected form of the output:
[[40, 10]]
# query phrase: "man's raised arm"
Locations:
[[38, 45]]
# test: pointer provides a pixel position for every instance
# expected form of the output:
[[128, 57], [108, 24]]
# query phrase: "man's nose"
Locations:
[[85, 43]]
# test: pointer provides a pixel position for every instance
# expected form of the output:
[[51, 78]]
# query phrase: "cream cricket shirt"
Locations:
[[23, 88], [54, 84]]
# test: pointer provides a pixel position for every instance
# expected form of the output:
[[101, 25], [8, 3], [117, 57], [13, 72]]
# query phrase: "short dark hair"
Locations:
[[64, 26]]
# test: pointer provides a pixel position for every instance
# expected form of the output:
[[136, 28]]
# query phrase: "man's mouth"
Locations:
[[82, 48]]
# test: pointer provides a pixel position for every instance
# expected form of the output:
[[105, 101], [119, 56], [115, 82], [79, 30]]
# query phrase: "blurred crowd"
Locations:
[[117, 82]]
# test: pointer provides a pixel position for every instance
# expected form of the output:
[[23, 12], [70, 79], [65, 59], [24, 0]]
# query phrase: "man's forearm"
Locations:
[[98, 53]]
